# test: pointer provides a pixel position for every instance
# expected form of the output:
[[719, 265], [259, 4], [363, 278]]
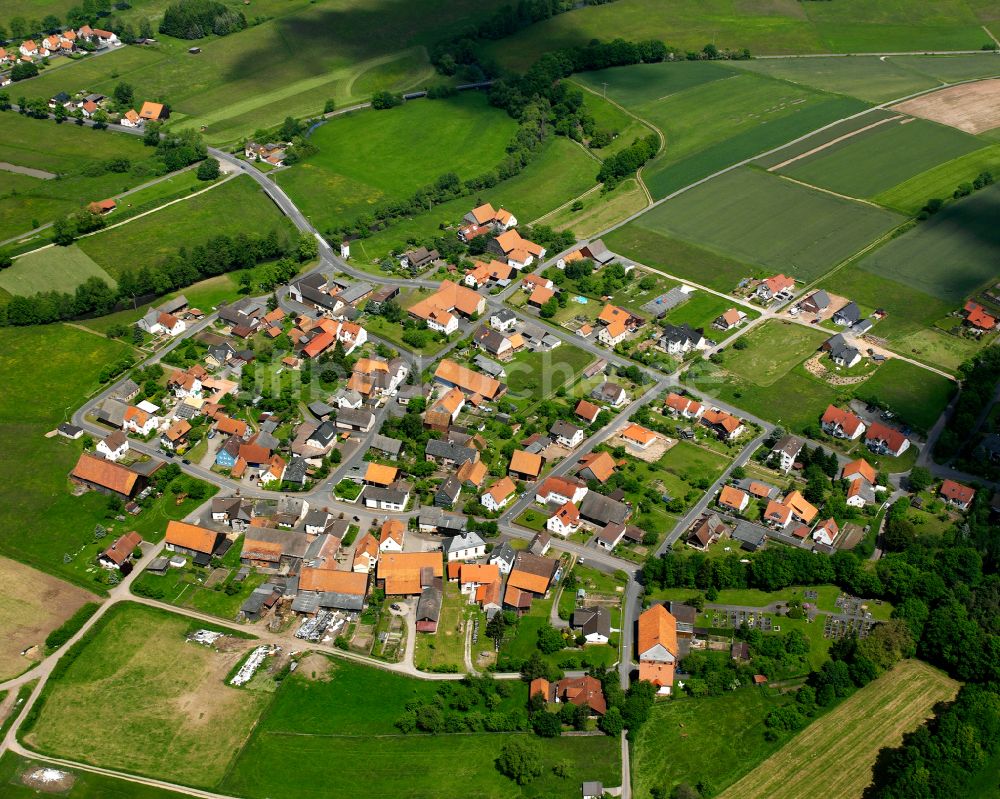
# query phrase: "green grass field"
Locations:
[[768, 380], [151, 238], [40, 519], [174, 718], [67, 151], [290, 64], [560, 172], [874, 78], [347, 715], [717, 739], [713, 115], [873, 718], [879, 159], [784, 26], [949, 255], [51, 269], [535, 375], [940, 181], [85, 785], [701, 310], [768, 222], [369, 157]]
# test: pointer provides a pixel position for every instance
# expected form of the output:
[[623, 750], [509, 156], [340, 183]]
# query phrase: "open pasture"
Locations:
[[76, 155], [775, 28], [558, 173], [849, 738], [51, 269], [772, 349], [289, 64], [333, 711], [86, 785], [759, 219], [151, 238], [972, 107], [369, 157], [949, 255], [32, 605], [174, 716], [874, 160]]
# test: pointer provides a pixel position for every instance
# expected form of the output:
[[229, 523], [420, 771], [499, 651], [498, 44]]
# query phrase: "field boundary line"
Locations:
[[832, 142], [989, 33], [566, 204], [133, 218], [830, 192]]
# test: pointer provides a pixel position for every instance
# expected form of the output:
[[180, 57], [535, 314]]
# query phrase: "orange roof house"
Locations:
[[859, 468], [191, 538], [636, 434], [734, 498], [587, 410], [380, 475], [473, 472], [479, 574], [501, 490], [612, 313], [526, 581], [400, 572], [801, 507], [525, 464], [656, 647], [333, 581], [540, 296], [470, 382], [598, 465], [977, 316], [585, 691], [392, 532], [105, 475], [449, 297], [152, 111], [957, 494]]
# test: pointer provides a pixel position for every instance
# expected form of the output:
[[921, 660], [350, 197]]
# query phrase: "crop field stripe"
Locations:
[[832, 142], [833, 757]]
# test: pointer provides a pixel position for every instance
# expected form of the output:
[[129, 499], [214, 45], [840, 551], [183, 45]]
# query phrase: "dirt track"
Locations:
[[972, 107]]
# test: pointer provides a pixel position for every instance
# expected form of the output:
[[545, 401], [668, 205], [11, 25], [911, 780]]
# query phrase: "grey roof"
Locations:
[[221, 352], [267, 440], [291, 506], [862, 327], [607, 391], [489, 339], [593, 620], [464, 541], [349, 396], [599, 252], [317, 517], [390, 446], [112, 412], [186, 410], [505, 553], [394, 494], [178, 302], [565, 429], [437, 448], [354, 292], [820, 299], [127, 389], [429, 605], [503, 315], [539, 542], [789, 445], [683, 334], [750, 535], [840, 349], [492, 368], [599, 508], [450, 488], [356, 417], [158, 564], [150, 317], [292, 544], [850, 312], [436, 517], [325, 434], [68, 429]]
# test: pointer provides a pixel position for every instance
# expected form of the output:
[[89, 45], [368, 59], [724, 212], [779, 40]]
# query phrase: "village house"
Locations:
[[779, 288], [785, 452], [841, 424], [190, 539], [861, 478], [119, 554], [418, 259], [483, 274], [596, 252], [638, 436], [594, 624], [730, 319], [391, 536], [499, 494], [393, 497], [448, 492], [140, 421], [611, 394], [503, 557], [679, 340], [815, 303], [517, 251], [465, 546], [656, 647], [601, 510], [478, 387], [826, 532], [956, 494], [683, 407], [706, 531], [883, 440], [726, 426], [842, 353], [556, 490], [503, 320], [848, 315], [113, 447], [597, 466], [408, 573], [153, 112], [273, 551], [978, 319], [617, 324], [566, 434], [366, 554], [565, 521], [525, 465], [733, 499], [498, 219]]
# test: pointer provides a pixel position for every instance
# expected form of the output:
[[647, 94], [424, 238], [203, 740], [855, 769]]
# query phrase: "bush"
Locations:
[[70, 627], [383, 100], [208, 169]]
